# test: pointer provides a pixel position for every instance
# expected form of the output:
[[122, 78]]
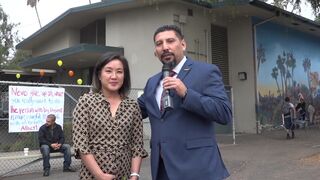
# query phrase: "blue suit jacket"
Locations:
[[185, 136]]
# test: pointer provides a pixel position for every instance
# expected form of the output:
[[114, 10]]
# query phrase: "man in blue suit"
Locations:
[[183, 144]]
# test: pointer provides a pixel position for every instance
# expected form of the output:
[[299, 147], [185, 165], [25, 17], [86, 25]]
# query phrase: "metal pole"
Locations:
[[233, 121]]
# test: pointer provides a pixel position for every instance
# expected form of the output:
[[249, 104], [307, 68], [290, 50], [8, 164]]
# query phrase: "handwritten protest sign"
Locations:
[[29, 107]]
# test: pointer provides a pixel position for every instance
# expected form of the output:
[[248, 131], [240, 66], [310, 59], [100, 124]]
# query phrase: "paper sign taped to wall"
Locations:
[[29, 107]]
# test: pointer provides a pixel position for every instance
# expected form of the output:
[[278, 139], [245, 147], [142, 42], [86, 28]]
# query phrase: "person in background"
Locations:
[[288, 117], [107, 124], [301, 107], [311, 111], [51, 139], [183, 144]]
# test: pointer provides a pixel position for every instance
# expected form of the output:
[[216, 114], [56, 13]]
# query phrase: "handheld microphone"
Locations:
[[166, 100]]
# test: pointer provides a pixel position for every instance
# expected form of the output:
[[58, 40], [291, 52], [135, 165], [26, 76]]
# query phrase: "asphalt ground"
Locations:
[[269, 156]]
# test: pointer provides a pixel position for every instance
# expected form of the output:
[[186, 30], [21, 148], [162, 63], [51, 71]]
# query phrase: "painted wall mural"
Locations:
[[288, 63]]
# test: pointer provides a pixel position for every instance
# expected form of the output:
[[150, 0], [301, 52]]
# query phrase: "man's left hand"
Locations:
[[58, 146], [176, 84]]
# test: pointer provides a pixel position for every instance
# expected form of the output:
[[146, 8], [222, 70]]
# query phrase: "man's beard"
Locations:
[[172, 63]]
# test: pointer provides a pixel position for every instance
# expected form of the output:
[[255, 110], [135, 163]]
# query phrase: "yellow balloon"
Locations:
[[79, 81], [18, 76], [59, 62]]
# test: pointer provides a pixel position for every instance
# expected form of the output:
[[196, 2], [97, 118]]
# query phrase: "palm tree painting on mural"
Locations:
[[270, 104], [285, 66], [306, 67], [280, 65], [261, 56], [274, 75], [291, 63]]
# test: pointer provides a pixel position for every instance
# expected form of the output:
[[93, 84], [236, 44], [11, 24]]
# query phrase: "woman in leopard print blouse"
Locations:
[[107, 124]]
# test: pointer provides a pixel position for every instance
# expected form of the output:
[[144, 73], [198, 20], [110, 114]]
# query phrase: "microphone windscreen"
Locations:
[[166, 67]]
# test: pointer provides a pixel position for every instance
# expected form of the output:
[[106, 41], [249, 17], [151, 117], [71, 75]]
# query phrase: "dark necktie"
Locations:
[[171, 74]]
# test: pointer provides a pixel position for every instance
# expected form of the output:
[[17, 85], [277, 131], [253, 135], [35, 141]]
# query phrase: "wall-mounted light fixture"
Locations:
[[242, 76]]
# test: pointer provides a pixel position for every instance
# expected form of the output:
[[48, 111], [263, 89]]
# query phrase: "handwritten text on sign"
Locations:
[[29, 107]]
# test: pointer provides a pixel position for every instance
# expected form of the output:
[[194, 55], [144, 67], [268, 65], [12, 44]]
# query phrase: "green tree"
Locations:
[[296, 5], [33, 3], [8, 36], [317, 18], [19, 56], [315, 4], [284, 4]]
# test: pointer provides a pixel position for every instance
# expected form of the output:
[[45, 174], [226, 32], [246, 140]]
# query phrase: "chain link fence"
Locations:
[[12, 144]]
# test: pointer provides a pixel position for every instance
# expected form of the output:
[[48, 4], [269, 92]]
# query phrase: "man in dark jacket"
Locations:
[[51, 139], [183, 142]]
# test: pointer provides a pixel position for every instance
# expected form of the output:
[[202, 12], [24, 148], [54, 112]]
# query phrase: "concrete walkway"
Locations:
[[272, 157], [254, 157]]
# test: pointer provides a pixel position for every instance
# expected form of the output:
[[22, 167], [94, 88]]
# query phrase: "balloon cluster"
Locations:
[[59, 63], [70, 72]]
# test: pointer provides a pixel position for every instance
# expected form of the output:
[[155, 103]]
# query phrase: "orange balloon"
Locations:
[[41, 72], [70, 73]]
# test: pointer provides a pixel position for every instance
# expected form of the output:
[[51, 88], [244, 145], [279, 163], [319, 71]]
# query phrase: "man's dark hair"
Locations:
[[52, 116], [287, 99], [105, 59], [174, 28]]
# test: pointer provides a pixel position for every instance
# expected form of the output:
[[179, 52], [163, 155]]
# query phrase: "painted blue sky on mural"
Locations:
[[276, 39]]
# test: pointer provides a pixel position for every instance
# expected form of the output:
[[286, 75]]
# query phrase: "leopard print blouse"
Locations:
[[113, 141]]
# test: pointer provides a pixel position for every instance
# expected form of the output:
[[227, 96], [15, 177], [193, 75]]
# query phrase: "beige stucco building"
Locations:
[[220, 33]]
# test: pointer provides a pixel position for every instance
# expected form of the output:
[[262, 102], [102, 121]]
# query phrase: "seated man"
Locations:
[[51, 139]]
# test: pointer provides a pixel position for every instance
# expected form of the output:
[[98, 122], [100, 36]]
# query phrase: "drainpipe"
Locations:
[[258, 125], [206, 39]]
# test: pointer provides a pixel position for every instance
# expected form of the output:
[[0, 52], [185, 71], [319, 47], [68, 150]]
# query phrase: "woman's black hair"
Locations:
[[105, 59]]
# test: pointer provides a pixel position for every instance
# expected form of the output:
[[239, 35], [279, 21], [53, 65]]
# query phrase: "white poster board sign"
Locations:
[[29, 107]]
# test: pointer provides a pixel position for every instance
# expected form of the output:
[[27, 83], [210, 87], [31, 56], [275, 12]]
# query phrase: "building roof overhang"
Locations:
[[80, 56], [289, 19], [263, 11], [74, 18], [89, 13]]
